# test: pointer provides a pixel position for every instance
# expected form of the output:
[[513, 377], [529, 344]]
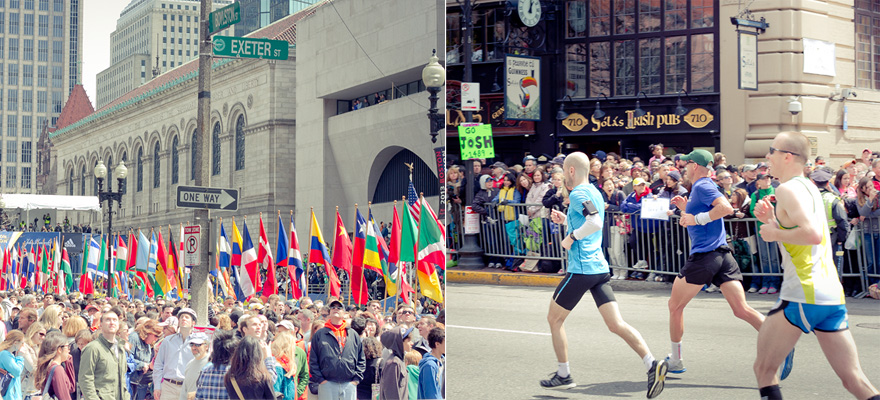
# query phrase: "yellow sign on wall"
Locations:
[[575, 122]]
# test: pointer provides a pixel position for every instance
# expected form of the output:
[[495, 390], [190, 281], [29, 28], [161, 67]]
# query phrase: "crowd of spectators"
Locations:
[[849, 190], [44, 224], [86, 347]]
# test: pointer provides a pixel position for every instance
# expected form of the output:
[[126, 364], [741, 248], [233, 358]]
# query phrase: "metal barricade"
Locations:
[[508, 232], [867, 254]]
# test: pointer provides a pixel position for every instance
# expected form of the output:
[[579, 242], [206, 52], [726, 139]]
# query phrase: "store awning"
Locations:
[[51, 202]]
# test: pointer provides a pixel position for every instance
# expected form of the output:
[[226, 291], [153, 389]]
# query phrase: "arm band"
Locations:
[[592, 225], [703, 218]]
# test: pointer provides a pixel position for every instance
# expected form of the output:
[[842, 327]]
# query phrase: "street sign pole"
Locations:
[[199, 273]]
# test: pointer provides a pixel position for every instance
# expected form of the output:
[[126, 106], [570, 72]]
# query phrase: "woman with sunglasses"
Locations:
[[12, 361], [34, 337], [55, 360], [141, 341]]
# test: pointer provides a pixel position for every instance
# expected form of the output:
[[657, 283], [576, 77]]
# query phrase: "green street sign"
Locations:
[[476, 141], [224, 18], [231, 46]]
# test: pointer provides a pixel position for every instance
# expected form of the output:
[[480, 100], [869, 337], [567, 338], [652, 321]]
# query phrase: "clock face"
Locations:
[[529, 12]]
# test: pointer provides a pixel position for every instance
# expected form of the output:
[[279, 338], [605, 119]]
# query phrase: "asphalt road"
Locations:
[[499, 347]]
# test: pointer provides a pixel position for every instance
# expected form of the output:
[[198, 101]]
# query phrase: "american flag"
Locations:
[[412, 198]]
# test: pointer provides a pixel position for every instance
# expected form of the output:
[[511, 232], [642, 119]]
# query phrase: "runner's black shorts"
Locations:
[[715, 267], [572, 288]]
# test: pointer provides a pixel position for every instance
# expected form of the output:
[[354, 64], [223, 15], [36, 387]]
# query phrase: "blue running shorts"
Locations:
[[812, 317]]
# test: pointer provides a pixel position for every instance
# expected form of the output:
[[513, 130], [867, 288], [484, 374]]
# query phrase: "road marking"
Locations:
[[498, 330]]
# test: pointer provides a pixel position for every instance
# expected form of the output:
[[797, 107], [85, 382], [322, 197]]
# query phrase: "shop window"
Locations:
[[702, 13], [649, 65], [600, 18], [576, 70], [676, 15], [625, 68], [867, 19], [676, 63], [576, 17], [702, 63], [649, 16], [624, 17], [600, 68]]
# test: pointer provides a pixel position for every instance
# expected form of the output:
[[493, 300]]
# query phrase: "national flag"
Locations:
[[409, 236], [56, 267], [432, 247], [412, 198], [221, 278], [271, 286], [3, 276], [295, 265], [236, 245], [342, 247], [141, 254], [372, 259], [283, 246], [121, 254], [12, 274], [164, 273], [225, 265], [102, 263], [94, 255], [173, 265], [153, 269], [66, 275], [359, 241], [318, 254], [249, 263], [180, 267], [44, 269], [131, 261]]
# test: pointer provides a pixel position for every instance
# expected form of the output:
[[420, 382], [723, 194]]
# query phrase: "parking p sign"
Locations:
[[191, 241]]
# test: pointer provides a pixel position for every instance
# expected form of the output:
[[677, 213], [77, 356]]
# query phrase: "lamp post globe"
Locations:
[[100, 170], [121, 171], [434, 75]]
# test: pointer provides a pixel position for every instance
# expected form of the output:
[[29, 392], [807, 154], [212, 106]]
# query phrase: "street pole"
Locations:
[[199, 274], [470, 255], [109, 232]]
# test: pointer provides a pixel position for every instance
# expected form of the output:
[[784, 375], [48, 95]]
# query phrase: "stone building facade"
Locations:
[[151, 129]]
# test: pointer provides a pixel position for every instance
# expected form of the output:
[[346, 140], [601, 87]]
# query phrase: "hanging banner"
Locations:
[[522, 91], [440, 157], [748, 60]]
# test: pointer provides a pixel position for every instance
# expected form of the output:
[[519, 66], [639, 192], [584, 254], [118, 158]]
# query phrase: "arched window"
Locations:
[[82, 181], [394, 181], [95, 180], [70, 183], [239, 143], [194, 155], [140, 169], [215, 150], [175, 161], [156, 166]]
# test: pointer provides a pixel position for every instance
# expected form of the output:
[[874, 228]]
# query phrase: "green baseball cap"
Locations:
[[701, 157]]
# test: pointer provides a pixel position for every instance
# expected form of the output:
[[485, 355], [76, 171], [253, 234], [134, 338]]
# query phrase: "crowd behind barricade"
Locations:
[[44, 224], [513, 203], [69, 347]]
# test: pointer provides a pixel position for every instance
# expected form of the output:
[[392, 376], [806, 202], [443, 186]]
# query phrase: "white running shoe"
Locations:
[[675, 366], [651, 277], [712, 289]]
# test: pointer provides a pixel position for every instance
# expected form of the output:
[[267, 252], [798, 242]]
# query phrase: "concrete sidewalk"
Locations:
[[492, 276]]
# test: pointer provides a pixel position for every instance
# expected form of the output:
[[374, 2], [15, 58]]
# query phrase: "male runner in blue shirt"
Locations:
[[588, 271]]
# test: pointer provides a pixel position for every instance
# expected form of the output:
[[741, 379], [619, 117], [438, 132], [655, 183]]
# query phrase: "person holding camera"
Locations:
[[12, 362]]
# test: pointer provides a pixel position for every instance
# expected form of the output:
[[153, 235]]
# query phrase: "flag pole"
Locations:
[[389, 247], [354, 235], [309, 264]]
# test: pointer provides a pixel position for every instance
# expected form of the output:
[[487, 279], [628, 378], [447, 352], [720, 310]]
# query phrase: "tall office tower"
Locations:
[[40, 63], [256, 14], [151, 36]]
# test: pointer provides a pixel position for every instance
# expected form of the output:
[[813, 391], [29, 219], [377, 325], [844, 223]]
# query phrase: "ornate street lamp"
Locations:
[[434, 77], [109, 195]]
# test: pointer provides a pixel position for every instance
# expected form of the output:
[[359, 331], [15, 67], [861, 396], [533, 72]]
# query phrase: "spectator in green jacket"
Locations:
[[103, 364]]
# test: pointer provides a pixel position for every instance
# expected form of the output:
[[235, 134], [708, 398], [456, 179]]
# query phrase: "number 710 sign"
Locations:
[[475, 141]]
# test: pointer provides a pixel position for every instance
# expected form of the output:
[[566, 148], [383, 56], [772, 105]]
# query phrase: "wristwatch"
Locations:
[[571, 235]]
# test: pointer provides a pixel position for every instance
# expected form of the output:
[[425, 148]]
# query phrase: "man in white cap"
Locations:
[[172, 358], [199, 344]]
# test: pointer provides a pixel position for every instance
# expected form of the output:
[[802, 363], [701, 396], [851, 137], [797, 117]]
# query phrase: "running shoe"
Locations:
[[558, 382], [763, 290], [675, 366], [712, 289], [785, 368], [657, 378], [651, 277], [753, 289], [772, 290]]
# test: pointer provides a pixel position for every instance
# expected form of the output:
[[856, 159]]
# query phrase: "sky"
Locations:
[[99, 22]]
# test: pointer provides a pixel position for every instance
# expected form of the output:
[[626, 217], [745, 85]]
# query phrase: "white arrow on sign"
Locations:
[[225, 199]]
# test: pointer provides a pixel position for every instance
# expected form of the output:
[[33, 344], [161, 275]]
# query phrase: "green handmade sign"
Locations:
[[476, 141]]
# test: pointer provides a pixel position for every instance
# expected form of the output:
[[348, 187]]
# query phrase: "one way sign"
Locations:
[[210, 198]]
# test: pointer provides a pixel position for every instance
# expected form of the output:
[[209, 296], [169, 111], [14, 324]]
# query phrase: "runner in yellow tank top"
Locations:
[[811, 299]]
